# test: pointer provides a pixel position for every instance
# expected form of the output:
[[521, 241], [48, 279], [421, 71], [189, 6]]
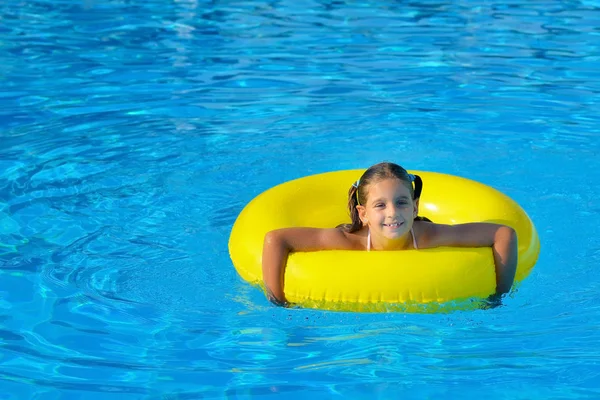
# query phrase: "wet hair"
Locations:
[[357, 194]]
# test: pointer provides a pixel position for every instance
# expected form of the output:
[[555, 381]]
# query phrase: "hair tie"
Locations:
[[411, 177]]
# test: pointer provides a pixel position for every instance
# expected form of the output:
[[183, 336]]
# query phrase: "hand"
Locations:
[[493, 301], [276, 301]]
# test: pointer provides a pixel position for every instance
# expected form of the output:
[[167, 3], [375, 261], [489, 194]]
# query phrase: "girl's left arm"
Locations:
[[501, 238]]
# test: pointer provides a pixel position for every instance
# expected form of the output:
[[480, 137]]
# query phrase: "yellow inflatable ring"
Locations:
[[427, 280]]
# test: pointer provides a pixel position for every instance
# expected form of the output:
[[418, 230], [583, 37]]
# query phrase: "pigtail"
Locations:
[[418, 182], [352, 203]]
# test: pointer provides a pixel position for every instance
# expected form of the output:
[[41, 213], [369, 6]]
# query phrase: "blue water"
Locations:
[[132, 133]]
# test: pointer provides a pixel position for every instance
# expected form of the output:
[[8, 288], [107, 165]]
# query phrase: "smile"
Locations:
[[394, 225]]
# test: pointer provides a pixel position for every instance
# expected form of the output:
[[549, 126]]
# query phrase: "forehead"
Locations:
[[388, 188]]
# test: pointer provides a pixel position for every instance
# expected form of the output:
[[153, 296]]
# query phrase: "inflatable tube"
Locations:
[[382, 280]]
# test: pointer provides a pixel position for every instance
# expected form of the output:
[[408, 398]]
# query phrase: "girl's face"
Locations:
[[390, 210]]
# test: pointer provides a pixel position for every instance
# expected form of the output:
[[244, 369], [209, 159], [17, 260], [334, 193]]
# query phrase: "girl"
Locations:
[[384, 209]]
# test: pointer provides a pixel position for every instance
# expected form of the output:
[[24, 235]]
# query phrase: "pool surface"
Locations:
[[132, 133]]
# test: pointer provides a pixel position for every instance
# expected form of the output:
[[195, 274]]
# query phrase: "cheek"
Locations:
[[371, 216]]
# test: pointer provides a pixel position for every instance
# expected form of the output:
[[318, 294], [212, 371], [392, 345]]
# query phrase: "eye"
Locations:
[[379, 205], [402, 203]]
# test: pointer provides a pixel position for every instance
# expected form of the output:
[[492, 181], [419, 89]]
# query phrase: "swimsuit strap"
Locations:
[[412, 232]]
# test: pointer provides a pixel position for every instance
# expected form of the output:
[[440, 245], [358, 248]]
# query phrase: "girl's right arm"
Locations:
[[279, 243]]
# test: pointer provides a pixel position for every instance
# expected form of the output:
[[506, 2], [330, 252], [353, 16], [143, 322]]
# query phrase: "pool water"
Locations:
[[132, 133]]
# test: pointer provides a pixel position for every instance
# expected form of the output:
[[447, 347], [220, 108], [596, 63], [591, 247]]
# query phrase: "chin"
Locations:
[[395, 235]]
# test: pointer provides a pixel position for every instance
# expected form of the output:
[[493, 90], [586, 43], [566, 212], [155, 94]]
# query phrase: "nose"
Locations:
[[392, 211]]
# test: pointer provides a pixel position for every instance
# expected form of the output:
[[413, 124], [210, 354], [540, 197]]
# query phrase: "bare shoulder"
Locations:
[[424, 233], [334, 239], [355, 240], [340, 239]]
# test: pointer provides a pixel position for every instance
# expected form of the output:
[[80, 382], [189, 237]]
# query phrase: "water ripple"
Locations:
[[133, 133]]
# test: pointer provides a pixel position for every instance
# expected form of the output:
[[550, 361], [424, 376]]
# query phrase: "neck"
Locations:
[[402, 243]]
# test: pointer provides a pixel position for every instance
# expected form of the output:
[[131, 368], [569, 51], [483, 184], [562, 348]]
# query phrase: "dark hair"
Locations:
[[357, 195]]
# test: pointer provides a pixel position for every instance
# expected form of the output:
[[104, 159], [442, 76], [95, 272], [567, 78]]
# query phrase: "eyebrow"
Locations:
[[397, 198]]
